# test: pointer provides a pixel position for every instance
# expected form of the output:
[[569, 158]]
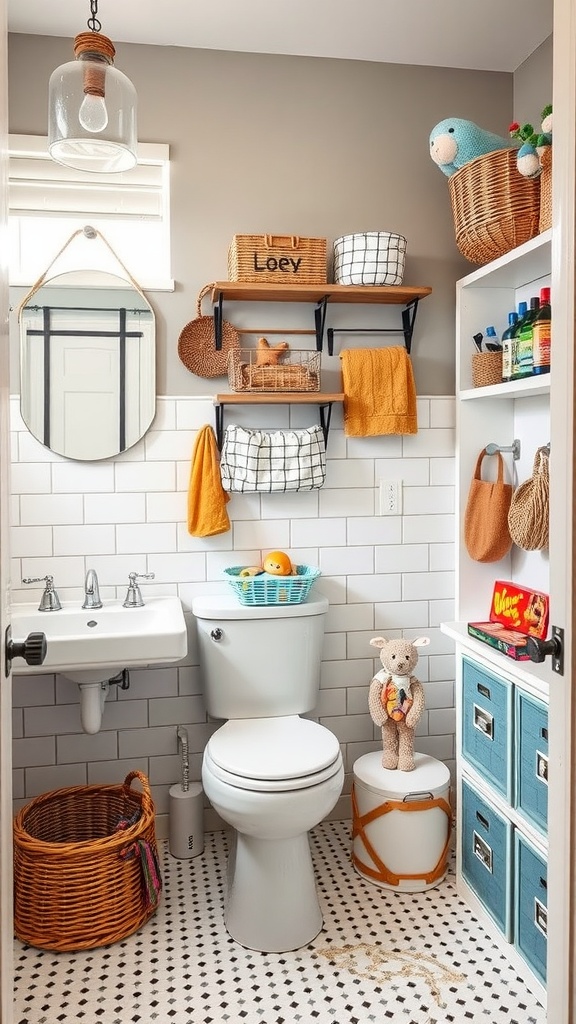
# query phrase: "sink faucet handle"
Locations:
[[133, 596], [49, 602]]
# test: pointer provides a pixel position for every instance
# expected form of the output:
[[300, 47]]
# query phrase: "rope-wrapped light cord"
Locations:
[[95, 44]]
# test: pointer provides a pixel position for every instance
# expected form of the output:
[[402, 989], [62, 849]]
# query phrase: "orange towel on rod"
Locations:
[[207, 498], [379, 392]]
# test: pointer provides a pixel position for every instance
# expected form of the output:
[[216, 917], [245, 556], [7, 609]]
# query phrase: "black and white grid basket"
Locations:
[[371, 257]]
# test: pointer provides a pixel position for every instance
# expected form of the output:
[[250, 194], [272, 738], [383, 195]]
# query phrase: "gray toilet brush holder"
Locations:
[[186, 810]]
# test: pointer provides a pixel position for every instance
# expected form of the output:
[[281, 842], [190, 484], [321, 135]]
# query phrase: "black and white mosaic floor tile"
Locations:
[[382, 958]]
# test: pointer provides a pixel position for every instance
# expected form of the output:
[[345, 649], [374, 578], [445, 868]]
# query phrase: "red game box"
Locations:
[[516, 614], [520, 608]]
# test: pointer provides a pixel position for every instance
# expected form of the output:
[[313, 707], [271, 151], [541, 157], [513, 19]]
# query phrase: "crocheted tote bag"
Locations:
[[486, 533], [529, 513]]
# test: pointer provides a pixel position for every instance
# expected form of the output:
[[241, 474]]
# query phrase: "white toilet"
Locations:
[[270, 774]]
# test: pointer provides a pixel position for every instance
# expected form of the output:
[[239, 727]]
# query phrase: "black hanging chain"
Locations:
[[93, 24]]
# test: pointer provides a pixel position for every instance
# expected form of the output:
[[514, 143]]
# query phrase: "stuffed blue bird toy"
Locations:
[[455, 142]]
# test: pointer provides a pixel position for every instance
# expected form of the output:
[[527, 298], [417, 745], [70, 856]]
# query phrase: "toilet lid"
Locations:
[[274, 749]]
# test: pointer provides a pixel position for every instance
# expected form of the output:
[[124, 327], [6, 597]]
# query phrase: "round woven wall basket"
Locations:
[[197, 345], [494, 207]]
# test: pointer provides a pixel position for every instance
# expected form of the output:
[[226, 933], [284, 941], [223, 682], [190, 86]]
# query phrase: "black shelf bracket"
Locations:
[[407, 329], [319, 322], [324, 408], [219, 415], [218, 320], [325, 411]]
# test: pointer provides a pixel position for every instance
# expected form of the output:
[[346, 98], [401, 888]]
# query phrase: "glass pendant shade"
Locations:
[[92, 116]]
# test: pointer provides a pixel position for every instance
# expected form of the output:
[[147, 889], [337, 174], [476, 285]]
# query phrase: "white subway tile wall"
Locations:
[[383, 575]]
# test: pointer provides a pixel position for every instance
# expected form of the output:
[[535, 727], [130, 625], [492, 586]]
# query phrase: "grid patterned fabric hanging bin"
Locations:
[[370, 258], [85, 865]]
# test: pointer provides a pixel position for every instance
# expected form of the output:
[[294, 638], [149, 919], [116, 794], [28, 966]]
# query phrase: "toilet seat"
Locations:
[[273, 754]]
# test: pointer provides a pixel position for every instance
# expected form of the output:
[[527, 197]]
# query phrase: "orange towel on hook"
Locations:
[[379, 392], [207, 498]]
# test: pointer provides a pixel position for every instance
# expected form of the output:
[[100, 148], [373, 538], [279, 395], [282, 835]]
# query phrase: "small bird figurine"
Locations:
[[455, 142]]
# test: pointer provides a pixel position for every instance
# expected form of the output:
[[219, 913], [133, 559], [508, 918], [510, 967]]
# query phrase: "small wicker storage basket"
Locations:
[[298, 371], [267, 589], [277, 259], [486, 369], [78, 875], [494, 207]]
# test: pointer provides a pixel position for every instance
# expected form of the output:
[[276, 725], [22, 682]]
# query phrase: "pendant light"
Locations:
[[92, 107]]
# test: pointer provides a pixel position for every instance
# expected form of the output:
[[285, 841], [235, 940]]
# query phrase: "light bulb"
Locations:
[[93, 115]]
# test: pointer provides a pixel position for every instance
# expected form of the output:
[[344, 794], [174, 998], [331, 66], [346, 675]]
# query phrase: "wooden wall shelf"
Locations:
[[324, 401], [391, 295], [321, 295]]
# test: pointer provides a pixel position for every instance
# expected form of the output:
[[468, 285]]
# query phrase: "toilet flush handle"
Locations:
[[217, 634]]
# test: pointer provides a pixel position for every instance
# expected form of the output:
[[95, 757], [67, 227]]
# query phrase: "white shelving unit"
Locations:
[[499, 413]]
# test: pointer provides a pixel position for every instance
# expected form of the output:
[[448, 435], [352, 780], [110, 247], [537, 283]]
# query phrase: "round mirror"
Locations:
[[87, 365]]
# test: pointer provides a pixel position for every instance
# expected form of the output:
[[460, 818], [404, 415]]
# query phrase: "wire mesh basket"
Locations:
[[268, 589], [298, 370]]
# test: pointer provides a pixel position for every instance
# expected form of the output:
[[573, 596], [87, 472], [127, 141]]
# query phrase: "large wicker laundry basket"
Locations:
[[494, 207], [85, 865]]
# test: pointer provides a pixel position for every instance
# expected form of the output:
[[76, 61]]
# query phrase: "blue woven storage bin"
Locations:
[[268, 589]]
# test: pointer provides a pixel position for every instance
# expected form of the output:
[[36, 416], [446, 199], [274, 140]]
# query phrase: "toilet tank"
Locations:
[[259, 661]]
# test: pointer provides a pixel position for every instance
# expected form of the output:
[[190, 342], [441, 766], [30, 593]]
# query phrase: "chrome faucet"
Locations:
[[49, 602], [134, 597], [91, 590]]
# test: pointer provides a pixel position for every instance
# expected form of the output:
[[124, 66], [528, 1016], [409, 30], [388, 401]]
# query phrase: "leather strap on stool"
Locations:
[[383, 874]]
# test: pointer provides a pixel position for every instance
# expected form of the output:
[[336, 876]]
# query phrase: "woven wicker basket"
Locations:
[[486, 369], [546, 190], [277, 259], [494, 207], [197, 344], [299, 372], [78, 875]]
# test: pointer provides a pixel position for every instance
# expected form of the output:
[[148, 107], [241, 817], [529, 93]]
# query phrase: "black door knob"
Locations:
[[538, 650], [33, 649]]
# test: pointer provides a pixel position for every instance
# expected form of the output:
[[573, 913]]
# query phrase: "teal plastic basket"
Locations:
[[268, 589]]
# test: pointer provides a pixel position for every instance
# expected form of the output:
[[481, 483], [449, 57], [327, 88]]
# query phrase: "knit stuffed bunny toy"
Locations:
[[396, 700]]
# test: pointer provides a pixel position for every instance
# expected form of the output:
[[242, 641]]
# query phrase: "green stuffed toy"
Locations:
[[529, 159]]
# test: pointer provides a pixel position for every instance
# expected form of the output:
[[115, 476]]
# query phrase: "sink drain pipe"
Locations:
[[186, 812]]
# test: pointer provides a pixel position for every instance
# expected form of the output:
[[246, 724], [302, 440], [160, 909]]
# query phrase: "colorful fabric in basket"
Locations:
[[279, 460]]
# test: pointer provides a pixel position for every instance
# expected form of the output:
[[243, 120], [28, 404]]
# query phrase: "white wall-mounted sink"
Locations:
[[102, 641]]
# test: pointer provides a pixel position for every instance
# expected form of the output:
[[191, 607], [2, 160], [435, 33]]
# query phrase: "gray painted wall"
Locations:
[[307, 146], [533, 85]]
